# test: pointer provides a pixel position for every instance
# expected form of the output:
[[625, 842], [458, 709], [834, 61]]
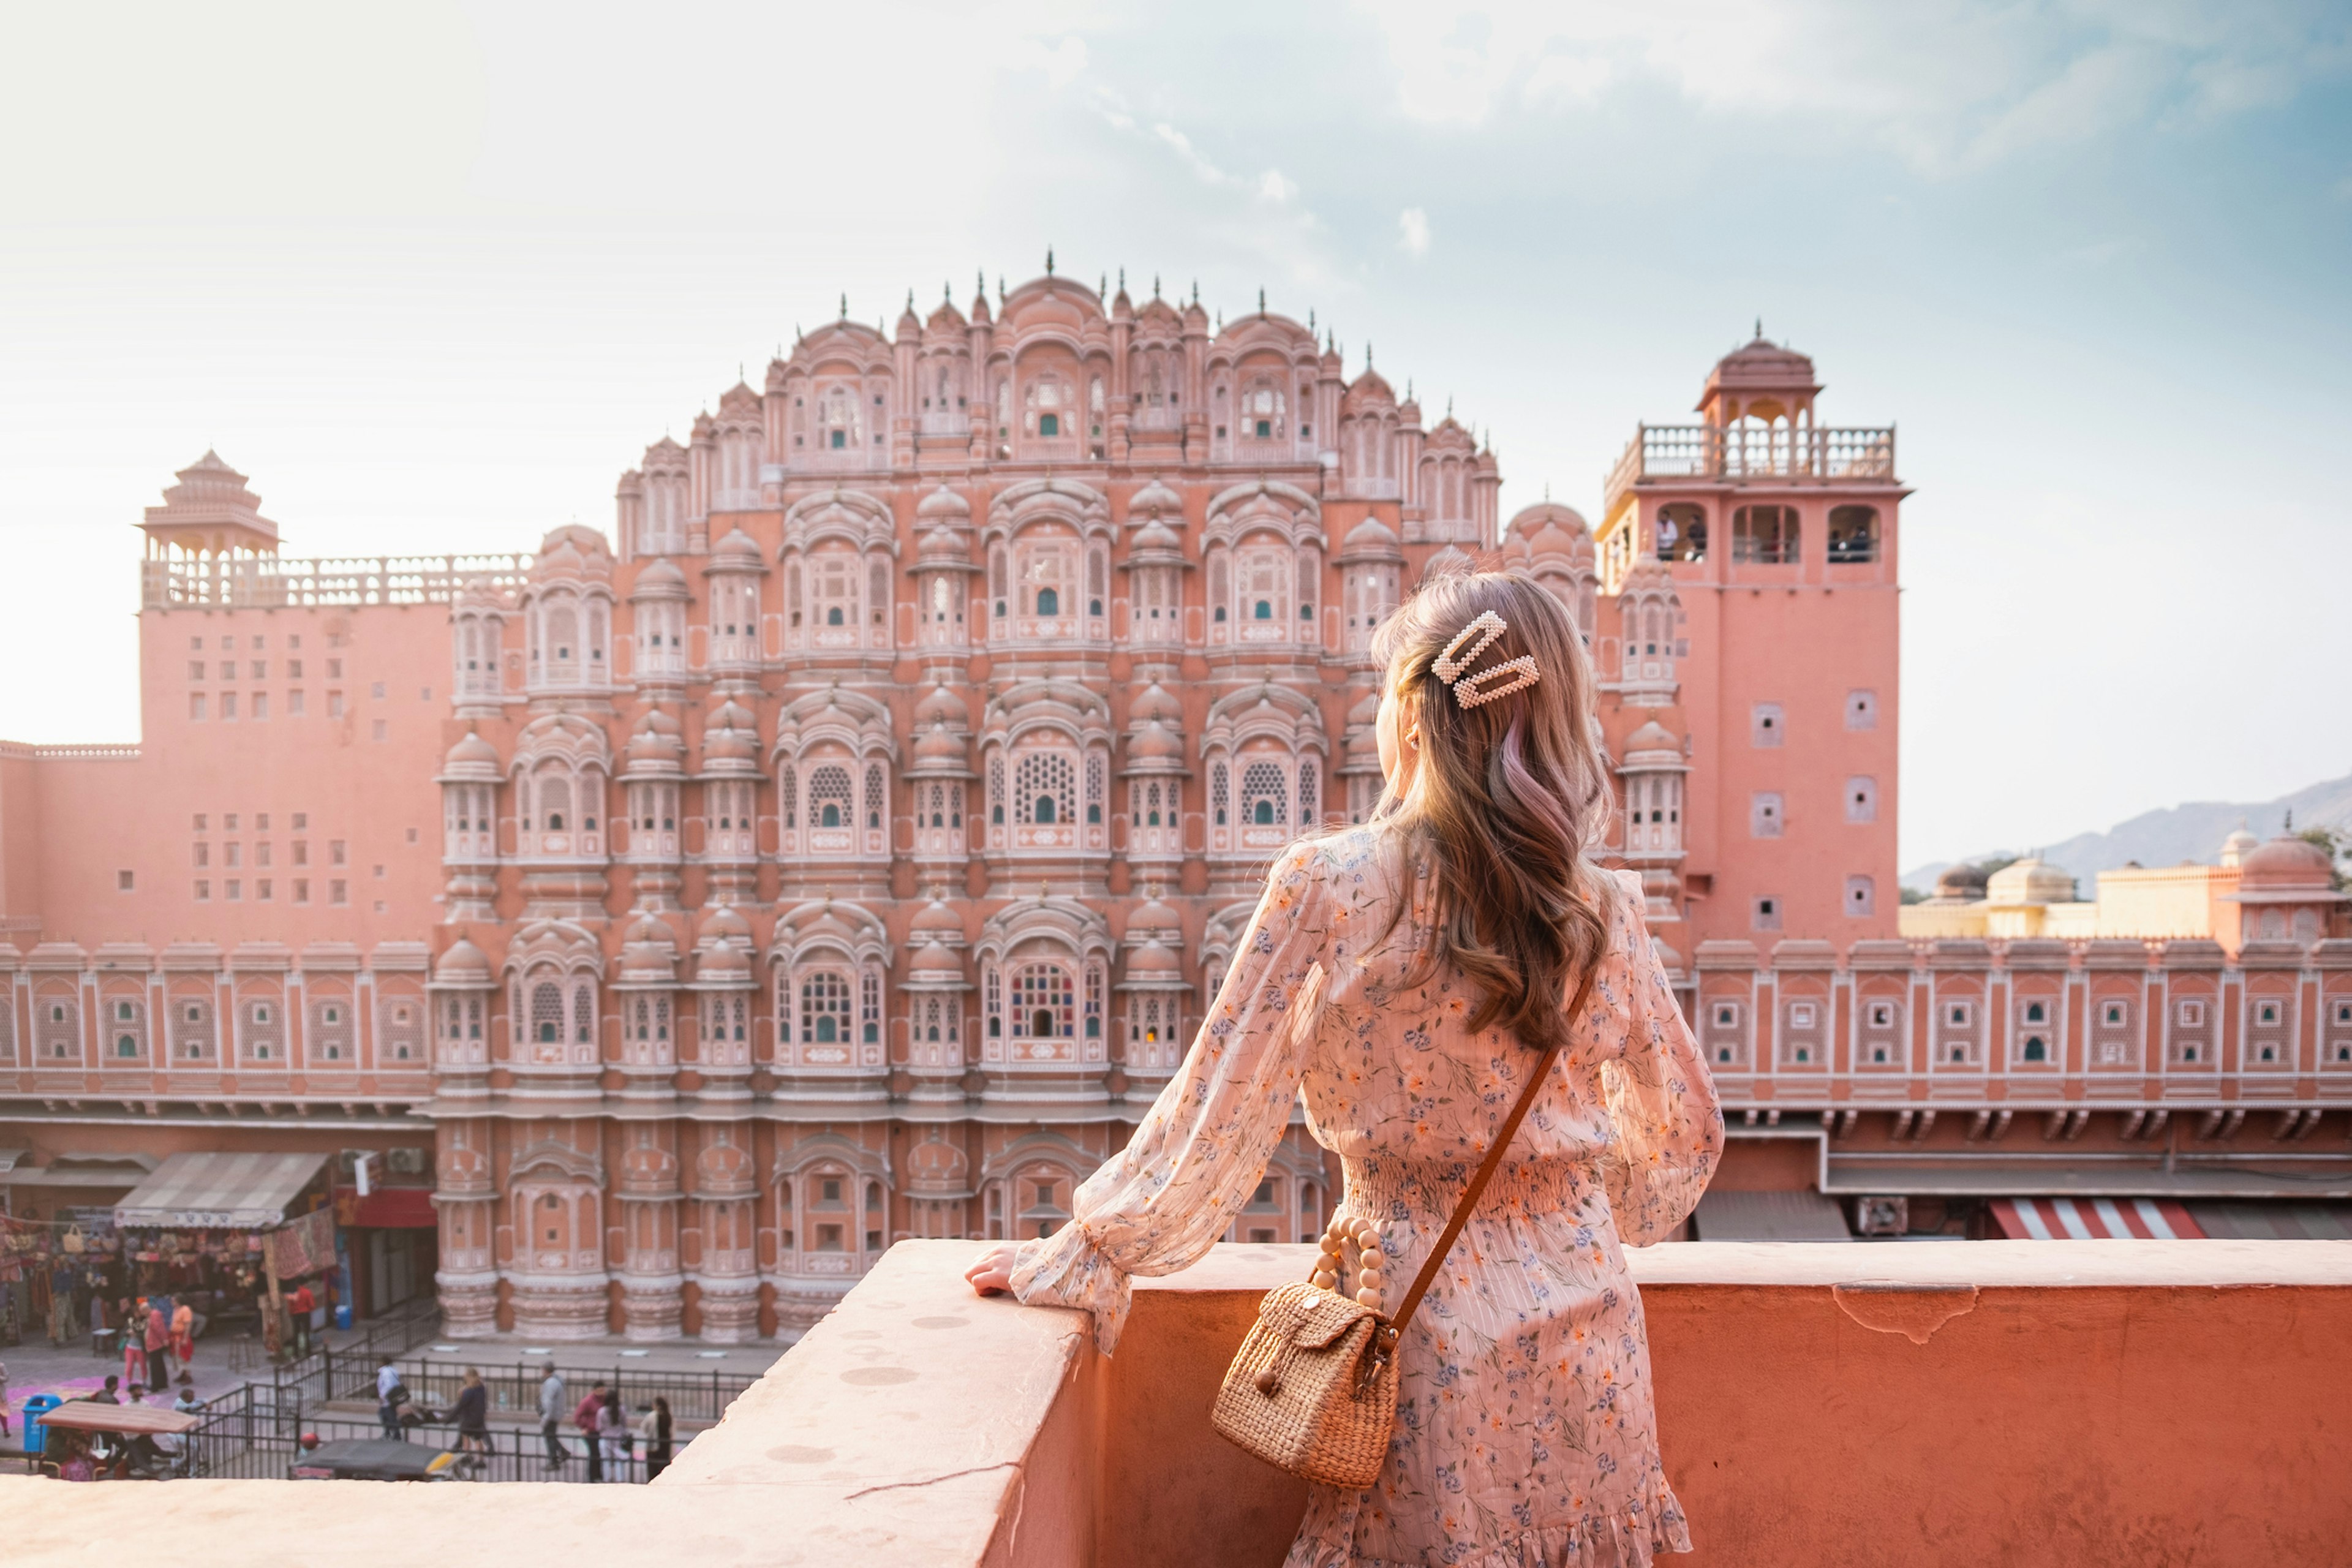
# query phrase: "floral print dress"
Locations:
[[1525, 1434]]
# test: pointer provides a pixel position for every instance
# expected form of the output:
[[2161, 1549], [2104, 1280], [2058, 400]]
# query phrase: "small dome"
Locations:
[[943, 545], [649, 952], [721, 923], [943, 504], [1156, 744], [1547, 514], [936, 961], [2286, 862], [2238, 846], [1154, 500], [1961, 884], [660, 580], [2030, 881], [1653, 737], [1156, 703], [942, 706], [1156, 537], [471, 754], [738, 552], [1372, 534], [724, 963], [939, 744], [1366, 710], [1154, 915], [1153, 961], [463, 963], [937, 919]]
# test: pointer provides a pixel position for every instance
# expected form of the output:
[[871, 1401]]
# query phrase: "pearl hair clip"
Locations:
[[1449, 664]]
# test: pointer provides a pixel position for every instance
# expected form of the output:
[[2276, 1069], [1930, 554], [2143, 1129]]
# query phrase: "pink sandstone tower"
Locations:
[[845, 849]]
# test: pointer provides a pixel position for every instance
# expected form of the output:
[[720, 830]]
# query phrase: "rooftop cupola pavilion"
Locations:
[[845, 847]]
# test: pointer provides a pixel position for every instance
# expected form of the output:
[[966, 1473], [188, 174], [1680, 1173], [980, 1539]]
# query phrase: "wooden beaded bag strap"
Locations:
[[1394, 1329]]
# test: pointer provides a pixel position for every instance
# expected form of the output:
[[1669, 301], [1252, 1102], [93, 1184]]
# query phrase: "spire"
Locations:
[[1196, 290], [1155, 285], [1760, 329], [947, 292], [1310, 321], [980, 284], [1367, 357], [844, 307], [1122, 279], [1261, 298], [911, 299], [1049, 261], [1102, 284]]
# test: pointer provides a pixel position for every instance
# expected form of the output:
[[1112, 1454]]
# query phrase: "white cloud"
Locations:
[[1275, 187], [1943, 83], [1412, 231]]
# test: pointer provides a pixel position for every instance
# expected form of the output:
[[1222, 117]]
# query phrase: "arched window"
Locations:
[[1767, 535], [1266, 800], [829, 800], [1049, 601], [1854, 535], [824, 1007], [1044, 788], [547, 1013], [1044, 1002]]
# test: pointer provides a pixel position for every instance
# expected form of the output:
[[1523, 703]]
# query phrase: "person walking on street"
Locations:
[[585, 1418], [297, 1307], [550, 1416], [613, 1434], [656, 1431], [183, 1332], [159, 1346], [134, 1345], [388, 1393], [3, 1399], [474, 1415]]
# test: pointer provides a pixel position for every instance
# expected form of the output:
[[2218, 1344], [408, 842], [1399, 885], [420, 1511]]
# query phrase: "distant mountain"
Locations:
[[2190, 832]]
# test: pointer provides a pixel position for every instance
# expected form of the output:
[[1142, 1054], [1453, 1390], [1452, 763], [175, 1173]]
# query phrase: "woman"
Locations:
[[183, 1332], [654, 1428], [612, 1434], [1451, 931], [474, 1414], [134, 1342]]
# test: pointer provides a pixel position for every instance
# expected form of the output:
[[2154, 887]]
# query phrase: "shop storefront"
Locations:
[[224, 1223]]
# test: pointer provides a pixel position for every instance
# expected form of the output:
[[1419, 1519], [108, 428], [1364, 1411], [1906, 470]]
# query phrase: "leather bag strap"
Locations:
[[1487, 1167]]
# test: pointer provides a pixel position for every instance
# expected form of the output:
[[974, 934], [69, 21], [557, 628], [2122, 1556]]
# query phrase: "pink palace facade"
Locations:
[[845, 847]]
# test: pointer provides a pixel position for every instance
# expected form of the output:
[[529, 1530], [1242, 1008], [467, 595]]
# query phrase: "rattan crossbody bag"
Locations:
[[1313, 1389]]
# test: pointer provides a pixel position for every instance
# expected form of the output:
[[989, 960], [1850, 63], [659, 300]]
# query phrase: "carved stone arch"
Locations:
[[565, 737], [1075, 927], [1268, 710], [831, 1148], [863, 520], [1265, 505], [549, 1157], [830, 926], [555, 944], [938, 1167], [1079, 506], [1031, 1148]]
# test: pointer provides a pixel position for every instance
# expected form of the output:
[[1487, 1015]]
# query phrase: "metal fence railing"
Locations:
[[692, 1396], [230, 1446]]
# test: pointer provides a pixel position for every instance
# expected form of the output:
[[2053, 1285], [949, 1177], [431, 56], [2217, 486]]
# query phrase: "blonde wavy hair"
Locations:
[[1508, 800]]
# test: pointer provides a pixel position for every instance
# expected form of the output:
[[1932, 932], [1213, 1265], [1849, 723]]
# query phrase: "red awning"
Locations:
[[2094, 1219], [391, 1209]]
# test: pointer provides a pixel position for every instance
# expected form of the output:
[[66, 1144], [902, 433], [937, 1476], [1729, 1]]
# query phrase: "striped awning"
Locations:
[[2094, 1219], [221, 1191]]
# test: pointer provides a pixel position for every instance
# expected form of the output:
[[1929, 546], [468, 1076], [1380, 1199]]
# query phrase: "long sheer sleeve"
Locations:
[[1202, 1147], [1668, 1126]]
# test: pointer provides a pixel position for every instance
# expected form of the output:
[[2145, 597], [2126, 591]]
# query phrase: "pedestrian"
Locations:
[[585, 1418], [107, 1395], [299, 1306], [613, 1433], [159, 1345], [134, 1346], [550, 1416], [183, 1332], [474, 1414], [3, 1399], [388, 1395], [655, 1428]]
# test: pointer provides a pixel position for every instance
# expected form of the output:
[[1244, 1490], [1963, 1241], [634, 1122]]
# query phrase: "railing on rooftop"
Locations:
[[1755, 452], [270, 582]]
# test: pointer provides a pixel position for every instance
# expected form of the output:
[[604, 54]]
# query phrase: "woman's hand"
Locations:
[[992, 1274]]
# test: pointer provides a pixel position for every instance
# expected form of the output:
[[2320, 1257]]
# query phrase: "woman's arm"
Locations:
[[1660, 1095], [1201, 1149]]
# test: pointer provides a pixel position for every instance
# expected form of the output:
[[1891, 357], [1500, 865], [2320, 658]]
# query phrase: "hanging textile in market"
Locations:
[[303, 1246]]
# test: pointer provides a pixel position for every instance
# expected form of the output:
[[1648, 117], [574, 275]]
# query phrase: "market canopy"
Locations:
[[90, 1416], [219, 1191]]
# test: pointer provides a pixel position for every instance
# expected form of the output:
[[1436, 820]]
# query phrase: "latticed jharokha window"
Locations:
[[829, 803], [1045, 1002], [1264, 801], [1043, 786], [824, 1007]]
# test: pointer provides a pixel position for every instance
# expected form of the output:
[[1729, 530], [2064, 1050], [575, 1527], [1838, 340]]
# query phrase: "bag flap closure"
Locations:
[[1309, 1317]]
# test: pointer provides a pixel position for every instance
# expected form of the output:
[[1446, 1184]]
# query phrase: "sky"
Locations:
[[435, 275]]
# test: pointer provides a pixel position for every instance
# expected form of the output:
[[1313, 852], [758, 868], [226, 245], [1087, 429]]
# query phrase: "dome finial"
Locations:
[[844, 307], [1049, 261], [1261, 298], [1155, 285], [1760, 329]]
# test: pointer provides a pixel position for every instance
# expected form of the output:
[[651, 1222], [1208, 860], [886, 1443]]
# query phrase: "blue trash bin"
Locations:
[[33, 1409], [343, 1315]]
